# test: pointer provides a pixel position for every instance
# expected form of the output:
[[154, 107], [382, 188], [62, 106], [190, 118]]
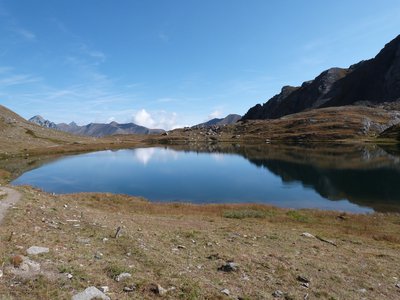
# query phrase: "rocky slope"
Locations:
[[96, 129], [372, 81], [229, 119]]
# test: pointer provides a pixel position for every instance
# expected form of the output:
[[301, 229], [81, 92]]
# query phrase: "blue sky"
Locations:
[[177, 62]]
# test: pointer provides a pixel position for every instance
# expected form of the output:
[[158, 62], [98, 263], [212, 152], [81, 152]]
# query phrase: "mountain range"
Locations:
[[372, 81], [96, 129]]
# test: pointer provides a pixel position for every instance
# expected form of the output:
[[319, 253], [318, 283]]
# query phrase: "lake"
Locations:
[[336, 178]]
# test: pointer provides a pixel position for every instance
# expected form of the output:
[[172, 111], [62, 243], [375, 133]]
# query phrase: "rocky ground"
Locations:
[[120, 247], [339, 124]]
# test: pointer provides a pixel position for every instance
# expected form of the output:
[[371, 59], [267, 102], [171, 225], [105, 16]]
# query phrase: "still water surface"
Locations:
[[162, 174]]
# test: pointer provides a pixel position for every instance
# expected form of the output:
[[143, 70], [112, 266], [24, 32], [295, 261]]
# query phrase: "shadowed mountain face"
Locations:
[[229, 119], [96, 129], [372, 81]]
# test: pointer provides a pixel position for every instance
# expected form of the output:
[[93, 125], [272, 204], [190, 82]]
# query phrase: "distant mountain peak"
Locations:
[[39, 120], [229, 119]]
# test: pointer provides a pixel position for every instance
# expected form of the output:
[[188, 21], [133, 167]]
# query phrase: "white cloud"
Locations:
[[215, 114], [158, 119]]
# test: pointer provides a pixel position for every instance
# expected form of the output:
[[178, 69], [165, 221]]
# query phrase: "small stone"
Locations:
[[209, 244], [1, 273], [306, 234], [362, 291], [98, 255], [277, 294], [305, 284], [161, 290], [306, 297], [398, 285], [65, 206], [122, 277], [226, 292], [104, 289], [303, 279], [83, 240], [105, 240], [69, 276], [181, 247], [130, 288], [35, 250], [89, 294], [229, 267]]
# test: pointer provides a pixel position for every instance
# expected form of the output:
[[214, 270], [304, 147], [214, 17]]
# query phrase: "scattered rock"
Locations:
[[26, 268], [98, 255], [1, 273], [305, 284], [69, 276], [363, 291], [306, 234], [277, 294], [229, 267], [35, 250], [398, 285], [226, 292], [130, 288], [159, 290], [181, 247], [122, 277], [89, 294], [303, 279], [104, 289], [105, 240], [306, 297], [83, 240]]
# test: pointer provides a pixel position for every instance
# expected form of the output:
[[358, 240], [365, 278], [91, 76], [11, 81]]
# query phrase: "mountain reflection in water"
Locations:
[[336, 177]]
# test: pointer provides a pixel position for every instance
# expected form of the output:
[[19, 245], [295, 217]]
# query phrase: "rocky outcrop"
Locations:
[[368, 82], [39, 120], [229, 119]]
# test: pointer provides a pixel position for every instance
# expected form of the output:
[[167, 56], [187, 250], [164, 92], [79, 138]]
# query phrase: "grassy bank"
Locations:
[[182, 248]]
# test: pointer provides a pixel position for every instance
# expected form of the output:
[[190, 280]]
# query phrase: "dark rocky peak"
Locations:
[[372, 81]]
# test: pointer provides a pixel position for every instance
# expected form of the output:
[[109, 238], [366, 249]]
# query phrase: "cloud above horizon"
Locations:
[[158, 119]]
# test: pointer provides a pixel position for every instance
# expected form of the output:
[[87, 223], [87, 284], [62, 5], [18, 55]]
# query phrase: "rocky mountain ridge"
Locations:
[[371, 81], [96, 129], [228, 120]]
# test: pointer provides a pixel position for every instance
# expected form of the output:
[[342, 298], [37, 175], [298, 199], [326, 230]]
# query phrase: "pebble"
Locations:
[[303, 279], [89, 294], [229, 267], [226, 292], [398, 285], [1, 273], [277, 294], [305, 284], [362, 291], [306, 234], [104, 289], [122, 277], [129, 289], [35, 250], [69, 276], [98, 255]]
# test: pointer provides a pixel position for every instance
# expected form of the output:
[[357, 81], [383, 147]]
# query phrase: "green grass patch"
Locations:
[[247, 213], [297, 216], [114, 270]]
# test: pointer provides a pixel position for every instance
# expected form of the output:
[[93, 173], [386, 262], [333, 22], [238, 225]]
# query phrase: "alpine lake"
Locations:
[[358, 179]]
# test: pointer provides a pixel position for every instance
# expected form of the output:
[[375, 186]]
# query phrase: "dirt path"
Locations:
[[12, 197]]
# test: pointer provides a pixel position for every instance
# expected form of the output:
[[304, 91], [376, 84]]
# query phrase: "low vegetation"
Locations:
[[182, 248]]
